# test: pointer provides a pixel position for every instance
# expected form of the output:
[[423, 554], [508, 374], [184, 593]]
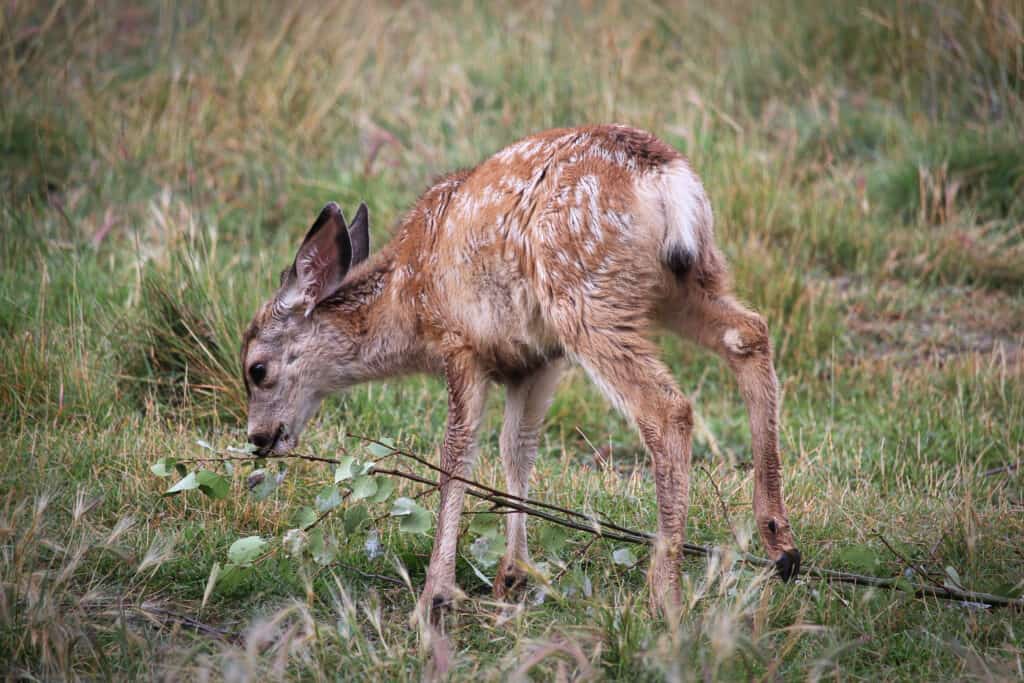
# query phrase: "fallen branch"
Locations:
[[1002, 469], [604, 529]]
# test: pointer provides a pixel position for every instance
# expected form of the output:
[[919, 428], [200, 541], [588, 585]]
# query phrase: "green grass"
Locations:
[[159, 163]]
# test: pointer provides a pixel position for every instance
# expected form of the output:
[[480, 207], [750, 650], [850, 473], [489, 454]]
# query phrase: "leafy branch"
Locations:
[[363, 480]]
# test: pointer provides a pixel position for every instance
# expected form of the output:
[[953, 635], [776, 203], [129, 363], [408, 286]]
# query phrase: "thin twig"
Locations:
[[1009, 467], [907, 563], [497, 492], [534, 508], [369, 575], [579, 555], [196, 625], [721, 501]]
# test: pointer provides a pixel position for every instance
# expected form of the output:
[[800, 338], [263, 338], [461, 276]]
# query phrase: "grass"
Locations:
[[159, 162]]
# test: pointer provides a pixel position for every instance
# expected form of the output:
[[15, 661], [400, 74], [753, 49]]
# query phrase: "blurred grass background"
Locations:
[[160, 161]]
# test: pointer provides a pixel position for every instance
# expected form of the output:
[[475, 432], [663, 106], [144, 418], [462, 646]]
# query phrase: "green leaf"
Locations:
[[354, 517], [205, 444], [303, 517], [415, 519], [262, 484], [860, 557], [904, 584], [245, 550], [349, 468], [403, 506], [230, 577], [328, 498], [322, 546], [164, 467], [343, 471], [188, 483], [363, 487], [953, 579], [485, 524], [487, 550], [552, 539], [385, 487], [624, 556], [379, 450], [212, 484], [418, 522]]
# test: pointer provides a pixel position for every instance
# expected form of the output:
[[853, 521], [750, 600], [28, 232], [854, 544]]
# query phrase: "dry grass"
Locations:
[[159, 161]]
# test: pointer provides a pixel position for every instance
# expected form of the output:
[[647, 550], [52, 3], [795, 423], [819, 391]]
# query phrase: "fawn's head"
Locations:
[[290, 359]]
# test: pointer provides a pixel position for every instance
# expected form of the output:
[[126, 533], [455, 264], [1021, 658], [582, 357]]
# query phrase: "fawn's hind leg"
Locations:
[[526, 403], [740, 336], [627, 370]]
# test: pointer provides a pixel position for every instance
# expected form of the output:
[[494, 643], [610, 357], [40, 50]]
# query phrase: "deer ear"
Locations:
[[359, 234], [321, 263]]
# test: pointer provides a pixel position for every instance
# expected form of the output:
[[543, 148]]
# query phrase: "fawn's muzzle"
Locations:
[[265, 441]]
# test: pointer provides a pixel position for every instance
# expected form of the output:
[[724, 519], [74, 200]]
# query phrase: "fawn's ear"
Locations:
[[359, 235], [321, 263]]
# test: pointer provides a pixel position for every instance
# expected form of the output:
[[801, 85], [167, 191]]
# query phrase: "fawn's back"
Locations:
[[566, 233]]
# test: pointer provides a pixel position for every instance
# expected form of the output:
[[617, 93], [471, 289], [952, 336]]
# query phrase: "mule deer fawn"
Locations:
[[570, 245]]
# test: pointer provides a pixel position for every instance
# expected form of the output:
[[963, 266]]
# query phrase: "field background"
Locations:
[[159, 163]]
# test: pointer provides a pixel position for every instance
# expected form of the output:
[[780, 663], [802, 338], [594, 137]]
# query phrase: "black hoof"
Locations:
[[788, 566]]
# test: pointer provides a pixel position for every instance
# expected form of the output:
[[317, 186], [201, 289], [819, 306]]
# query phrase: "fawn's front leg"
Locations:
[[467, 392]]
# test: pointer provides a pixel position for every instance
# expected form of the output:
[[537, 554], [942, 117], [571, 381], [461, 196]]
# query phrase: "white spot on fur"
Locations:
[[733, 341]]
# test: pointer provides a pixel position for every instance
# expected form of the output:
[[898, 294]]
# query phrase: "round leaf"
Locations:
[[328, 498], [363, 486], [418, 521], [343, 471], [355, 516], [164, 467], [385, 487], [624, 556], [485, 524], [303, 517], [245, 550], [187, 483], [212, 484], [379, 450], [322, 546], [403, 506]]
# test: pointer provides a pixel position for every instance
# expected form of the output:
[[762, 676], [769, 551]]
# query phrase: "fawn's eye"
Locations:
[[257, 371]]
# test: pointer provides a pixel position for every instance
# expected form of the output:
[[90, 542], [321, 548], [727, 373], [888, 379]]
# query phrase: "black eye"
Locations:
[[257, 371]]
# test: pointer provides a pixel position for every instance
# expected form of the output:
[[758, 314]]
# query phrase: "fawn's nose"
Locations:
[[261, 440]]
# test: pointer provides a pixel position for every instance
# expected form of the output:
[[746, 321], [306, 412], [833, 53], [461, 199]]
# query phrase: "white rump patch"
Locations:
[[687, 211]]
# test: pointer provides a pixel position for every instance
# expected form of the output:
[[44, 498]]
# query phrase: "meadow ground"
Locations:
[[159, 163]]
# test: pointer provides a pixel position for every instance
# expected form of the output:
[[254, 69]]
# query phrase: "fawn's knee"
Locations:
[[748, 337]]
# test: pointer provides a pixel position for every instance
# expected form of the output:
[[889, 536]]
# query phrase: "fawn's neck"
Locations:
[[381, 321]]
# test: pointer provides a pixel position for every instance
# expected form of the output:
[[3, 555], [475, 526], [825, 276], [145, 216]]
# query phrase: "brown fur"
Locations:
[[560, 245]]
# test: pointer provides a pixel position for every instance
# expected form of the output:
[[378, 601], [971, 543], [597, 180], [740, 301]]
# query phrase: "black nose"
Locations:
[[261, 440]]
